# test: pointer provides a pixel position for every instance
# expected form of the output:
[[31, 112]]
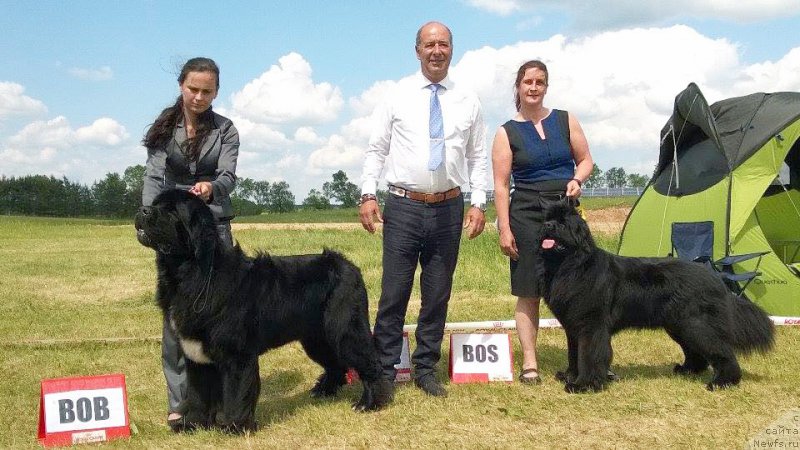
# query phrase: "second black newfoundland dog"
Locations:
[[227, 309], [595, 294]]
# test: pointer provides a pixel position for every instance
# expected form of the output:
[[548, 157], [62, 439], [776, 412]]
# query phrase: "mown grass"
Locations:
[[76, 298]]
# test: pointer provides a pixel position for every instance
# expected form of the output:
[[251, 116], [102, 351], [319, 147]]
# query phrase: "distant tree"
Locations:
[[244, 189], [134, 183], [243, 207], [595, 179], [616, 177], [316, 200], [281, 198], [341, 189], [77, 199], [261, 193], [40, 195], [636, 180], [109, 196], [134, 178]]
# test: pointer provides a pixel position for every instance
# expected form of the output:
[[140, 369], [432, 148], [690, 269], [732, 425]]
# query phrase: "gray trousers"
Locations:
[[172, 359]]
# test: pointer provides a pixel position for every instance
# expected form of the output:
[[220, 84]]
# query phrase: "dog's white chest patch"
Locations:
[[194, 351]]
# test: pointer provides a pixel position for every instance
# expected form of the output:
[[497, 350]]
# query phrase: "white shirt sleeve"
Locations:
[[477, 160], [378, 148]]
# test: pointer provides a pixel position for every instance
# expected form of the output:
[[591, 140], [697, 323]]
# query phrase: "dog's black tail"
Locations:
[[752, 330]]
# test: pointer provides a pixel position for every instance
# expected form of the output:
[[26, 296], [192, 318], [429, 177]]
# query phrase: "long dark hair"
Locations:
[[532, 64], [160, 132]]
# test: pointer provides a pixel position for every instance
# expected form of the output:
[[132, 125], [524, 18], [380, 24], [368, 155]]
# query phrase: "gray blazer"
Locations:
[[168, 166]]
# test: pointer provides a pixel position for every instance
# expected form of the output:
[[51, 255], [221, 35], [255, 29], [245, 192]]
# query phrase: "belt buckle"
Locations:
[[400, 192]]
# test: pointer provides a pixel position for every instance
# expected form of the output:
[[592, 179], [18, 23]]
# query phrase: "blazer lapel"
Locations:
[[212, 139]]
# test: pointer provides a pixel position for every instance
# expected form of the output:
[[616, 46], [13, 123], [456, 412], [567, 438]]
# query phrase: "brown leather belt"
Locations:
[[425, 197]]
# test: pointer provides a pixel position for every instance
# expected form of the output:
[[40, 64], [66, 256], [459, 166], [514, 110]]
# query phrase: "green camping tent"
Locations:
[[728, 183]]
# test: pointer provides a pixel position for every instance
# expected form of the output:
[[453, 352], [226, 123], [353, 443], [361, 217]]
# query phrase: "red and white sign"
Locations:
[[403, 368], [81, 410], [480, 358]]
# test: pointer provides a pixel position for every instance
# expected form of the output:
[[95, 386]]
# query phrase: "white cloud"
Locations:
[[783, 75], [102, 132], [290, 162], [607, 14], [366, 102], [501, 7], [14, 102], [259, 136], [286, 93], [743, 11], [306, 135], [338, 153], [55, 133], [102, 74], [58, 133], [54, 147]]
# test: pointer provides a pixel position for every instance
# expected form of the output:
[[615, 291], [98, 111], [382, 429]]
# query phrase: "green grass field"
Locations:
[[76, 298]]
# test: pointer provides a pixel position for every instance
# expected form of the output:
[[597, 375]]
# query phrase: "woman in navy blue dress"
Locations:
[[546, 153]]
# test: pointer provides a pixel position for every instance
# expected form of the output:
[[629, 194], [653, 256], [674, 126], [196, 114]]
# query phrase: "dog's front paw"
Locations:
[[572, 388], [685, 369], [190, 422], [247, 426], [579, 388], [366, 402], [327, 385], [376, 395], [715, 385], [565, 376]]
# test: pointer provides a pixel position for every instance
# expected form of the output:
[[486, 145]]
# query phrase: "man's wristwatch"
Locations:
[[481, 206], [367, 197]]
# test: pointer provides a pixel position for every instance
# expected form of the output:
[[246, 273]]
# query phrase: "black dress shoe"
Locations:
[[430, 386]]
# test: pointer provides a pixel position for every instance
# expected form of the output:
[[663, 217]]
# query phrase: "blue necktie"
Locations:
[[436, 129]]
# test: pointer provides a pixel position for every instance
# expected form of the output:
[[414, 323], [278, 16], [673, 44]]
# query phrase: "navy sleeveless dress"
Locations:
[[541, 169]]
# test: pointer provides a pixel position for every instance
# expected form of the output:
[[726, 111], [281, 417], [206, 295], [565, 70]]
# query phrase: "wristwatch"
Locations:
[[481, 206], [367, 197]]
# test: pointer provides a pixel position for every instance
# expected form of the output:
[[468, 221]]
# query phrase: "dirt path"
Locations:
[[607, 220]]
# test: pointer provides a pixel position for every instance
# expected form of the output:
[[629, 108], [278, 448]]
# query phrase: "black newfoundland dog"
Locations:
[[595, 294], [227, 309]]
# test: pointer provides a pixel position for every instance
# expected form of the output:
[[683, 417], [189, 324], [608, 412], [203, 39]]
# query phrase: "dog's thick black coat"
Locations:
[[227, 309], [595, 294]]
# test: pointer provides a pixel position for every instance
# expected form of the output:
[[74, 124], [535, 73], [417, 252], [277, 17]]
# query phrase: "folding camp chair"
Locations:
[[694, 241]]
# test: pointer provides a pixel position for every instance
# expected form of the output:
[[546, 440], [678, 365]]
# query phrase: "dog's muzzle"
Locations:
[[142, 237]]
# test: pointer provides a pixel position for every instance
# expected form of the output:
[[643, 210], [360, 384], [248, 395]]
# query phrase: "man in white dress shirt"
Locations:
[[424, 211]]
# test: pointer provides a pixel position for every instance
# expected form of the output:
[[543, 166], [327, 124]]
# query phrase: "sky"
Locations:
[[81, 81]]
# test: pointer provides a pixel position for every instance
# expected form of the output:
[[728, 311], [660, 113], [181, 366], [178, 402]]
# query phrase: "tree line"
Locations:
[[121, 195]]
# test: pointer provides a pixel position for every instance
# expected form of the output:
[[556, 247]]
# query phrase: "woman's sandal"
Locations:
[[535, 379]]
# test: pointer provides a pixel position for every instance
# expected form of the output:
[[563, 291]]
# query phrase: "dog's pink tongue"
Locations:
[[548, 243]]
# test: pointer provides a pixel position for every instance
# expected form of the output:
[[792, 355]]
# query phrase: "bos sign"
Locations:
[[477, 357]]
